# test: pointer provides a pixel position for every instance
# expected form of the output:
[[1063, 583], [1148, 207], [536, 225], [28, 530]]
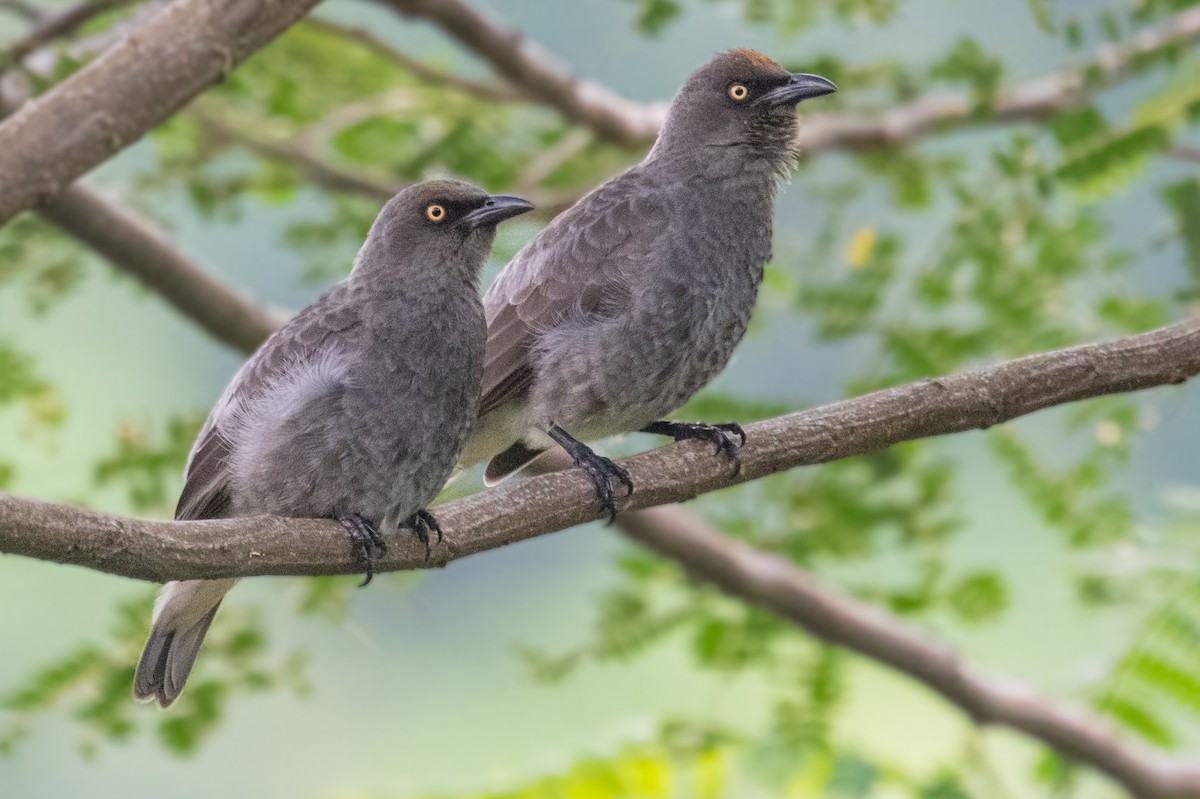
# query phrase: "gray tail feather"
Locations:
[[167, 660], [509, 462]]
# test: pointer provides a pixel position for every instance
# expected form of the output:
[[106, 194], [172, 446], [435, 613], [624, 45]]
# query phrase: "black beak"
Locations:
[[496, 209], [799, 87]]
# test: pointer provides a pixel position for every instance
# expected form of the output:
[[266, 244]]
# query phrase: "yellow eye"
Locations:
[[435, 213], [738, 92]]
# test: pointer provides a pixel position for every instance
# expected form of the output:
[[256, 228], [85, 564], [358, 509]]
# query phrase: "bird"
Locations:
[[634, 298], [355, 410]]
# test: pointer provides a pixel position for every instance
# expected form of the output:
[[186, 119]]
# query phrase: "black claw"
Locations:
[[364, 536], [422, 523], [603, 472], [720, 435]]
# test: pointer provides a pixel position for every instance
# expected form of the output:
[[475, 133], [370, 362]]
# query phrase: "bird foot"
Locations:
[[422, 524], [366, 539], [603, 472], [721, 436]]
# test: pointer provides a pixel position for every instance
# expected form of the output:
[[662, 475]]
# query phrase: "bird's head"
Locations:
[[742, 100], [439, 221]]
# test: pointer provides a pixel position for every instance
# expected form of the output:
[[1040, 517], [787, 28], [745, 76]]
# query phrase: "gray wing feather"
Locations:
[[582, 264], [206, 491]]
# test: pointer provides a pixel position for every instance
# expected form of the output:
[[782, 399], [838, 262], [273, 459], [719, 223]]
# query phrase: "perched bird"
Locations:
[[355, 410], [634, 298]]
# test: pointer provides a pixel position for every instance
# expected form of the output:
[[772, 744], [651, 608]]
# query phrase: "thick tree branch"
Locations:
[[779, 587], [180, 51], [159, 550], [133, 246], [156, 550]]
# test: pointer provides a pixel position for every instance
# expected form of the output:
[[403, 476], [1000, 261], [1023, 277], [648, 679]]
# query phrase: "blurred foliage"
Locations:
[[93, 684], [149, 468], [1022, 260], [690, 762], [39, 262]]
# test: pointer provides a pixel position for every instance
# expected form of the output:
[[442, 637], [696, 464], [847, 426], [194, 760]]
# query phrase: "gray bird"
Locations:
[[634, 298], [355, 410]]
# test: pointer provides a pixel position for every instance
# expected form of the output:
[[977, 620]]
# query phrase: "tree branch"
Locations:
[[537, 74], [60, 25], [113, 101], [1034, 101], [321, 173], [530, 68], [776, 585], [159, 550], [133, 246], [485, 90]]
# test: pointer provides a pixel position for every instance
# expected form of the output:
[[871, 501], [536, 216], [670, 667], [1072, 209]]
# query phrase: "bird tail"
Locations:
[[182, 614], [509, 462]]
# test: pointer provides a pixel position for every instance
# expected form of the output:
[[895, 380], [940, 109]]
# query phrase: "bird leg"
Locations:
[[364, 537], [422, 524], [720, 436], [603, 472]]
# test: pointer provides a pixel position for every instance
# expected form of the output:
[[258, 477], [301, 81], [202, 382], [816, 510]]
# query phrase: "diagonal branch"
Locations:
[[261, 545], [156, 550], [542, 78], [776, 585], [133, 246], [538, 74], [183, 49], [491, 91], [63, 24]]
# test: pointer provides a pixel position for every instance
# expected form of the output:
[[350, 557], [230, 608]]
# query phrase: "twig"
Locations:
[[137, 248], [27, 11], [1184, 153], [485, 90], [319, 172], [61, 25]]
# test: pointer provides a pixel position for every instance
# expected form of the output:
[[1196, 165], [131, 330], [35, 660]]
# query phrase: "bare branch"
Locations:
[[1034, 101], [1183, 152], [484, 90], [183, 49], [313, 168], [152, 550], [158, 550], [776, 585], [61, 25], [538, 74], [27, 11], [548, 203], [134, 246], [543, 79]]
